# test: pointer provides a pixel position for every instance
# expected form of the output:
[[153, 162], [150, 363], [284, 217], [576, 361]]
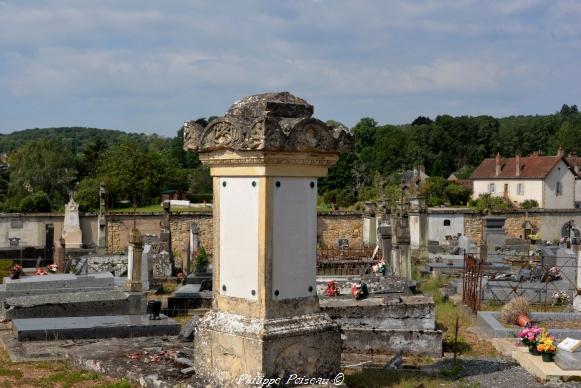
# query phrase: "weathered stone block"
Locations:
[[406, 312], [309, 344], [387, 341]]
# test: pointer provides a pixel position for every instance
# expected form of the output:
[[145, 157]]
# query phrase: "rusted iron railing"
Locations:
[[346, 261], [472, 291]]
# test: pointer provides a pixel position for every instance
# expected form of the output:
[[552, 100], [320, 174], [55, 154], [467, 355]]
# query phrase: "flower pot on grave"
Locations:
[[548, 357], [523, 320], [533, 350]]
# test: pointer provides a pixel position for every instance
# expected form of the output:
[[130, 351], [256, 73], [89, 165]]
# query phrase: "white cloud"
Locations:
[[149, 65]]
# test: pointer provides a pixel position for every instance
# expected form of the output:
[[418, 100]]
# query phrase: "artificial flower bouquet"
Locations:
[[530, 337], [546, 346]]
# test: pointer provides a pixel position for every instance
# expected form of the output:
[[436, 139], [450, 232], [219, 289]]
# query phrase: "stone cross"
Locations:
[[134, 257], [265, 156]]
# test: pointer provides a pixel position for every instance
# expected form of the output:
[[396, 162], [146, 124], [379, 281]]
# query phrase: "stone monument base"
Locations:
[[230, 348]]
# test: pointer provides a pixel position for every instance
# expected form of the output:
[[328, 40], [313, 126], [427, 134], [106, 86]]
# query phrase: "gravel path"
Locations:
[[498, 372]]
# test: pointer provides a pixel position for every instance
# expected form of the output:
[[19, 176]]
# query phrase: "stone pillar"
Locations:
[[194, 246], [418, 220], [384, 231], [102, 221], [265, 156], [369, 226], [165, 239], [134, 256], [401, 244]]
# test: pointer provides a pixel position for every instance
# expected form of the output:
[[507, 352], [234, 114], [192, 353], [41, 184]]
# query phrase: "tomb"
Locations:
[[72, 234], [265, 156]]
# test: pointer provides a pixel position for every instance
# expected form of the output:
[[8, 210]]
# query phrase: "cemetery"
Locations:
[[254, 293]]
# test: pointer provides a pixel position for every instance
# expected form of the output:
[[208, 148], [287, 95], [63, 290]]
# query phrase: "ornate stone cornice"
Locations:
[[267, 122], [262, 158]]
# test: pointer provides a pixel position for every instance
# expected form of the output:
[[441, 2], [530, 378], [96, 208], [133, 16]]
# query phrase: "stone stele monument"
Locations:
[[72, 228], [265, 156]]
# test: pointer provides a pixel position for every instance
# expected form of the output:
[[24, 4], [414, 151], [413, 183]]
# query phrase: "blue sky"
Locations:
[[147, 66]]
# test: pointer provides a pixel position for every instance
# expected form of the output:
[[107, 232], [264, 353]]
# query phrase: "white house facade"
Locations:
[[549, 180]]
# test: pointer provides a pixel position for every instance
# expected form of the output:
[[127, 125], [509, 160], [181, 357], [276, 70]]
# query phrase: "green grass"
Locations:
[[66, 378], [446, 313], [12, 373], [5, 268]]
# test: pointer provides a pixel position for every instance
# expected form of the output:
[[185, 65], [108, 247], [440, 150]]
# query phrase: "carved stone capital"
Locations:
[[267, 122]]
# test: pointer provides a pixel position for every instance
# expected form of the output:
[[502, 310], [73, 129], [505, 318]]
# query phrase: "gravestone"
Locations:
[[265, 156], [59, 254], [134, 269], [72, 228], [494, 234]]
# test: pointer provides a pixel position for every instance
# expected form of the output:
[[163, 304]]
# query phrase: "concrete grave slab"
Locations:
[[545, 371], [568, 361], [116, 326], [75, 304], [55, 284]]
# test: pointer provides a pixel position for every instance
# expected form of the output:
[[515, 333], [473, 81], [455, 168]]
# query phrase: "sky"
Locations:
[[148, 66]]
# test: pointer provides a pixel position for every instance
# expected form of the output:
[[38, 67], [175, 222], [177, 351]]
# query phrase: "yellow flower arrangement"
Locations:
[[546, 343]]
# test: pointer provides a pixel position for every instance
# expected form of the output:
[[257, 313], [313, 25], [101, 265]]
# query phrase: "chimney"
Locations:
[[560, 152], [517, 161], [498, 164]]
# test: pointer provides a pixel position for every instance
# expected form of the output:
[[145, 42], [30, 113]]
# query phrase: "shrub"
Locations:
[[488, 202], [511, 310], [202, 260], [529, 204]]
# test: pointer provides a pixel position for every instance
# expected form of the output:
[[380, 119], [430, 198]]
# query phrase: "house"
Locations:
[[549, 180]]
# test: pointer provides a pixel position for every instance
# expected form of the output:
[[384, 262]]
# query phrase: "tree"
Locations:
[[434, 190], [42, 165], [422, 120], [132, 172], [35, 203]]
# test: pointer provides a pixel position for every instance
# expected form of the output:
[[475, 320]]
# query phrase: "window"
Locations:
[[520, 189], [491, 188], [16, 224], [446, 222], [558, 189]]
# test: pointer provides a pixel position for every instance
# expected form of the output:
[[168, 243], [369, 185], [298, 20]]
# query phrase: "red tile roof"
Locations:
[[530, 167]]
